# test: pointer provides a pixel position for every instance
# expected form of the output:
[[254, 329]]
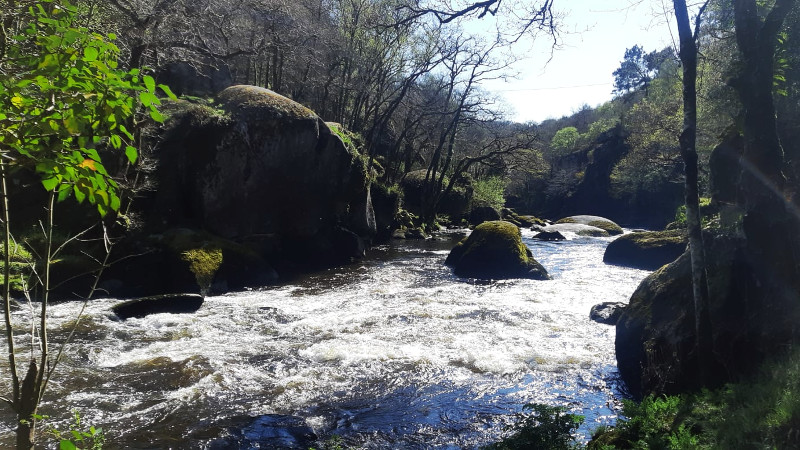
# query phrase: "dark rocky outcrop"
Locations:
[[594, 221], [549, 236], [264, 172], [167, 303], [495, 250], [646, 250], [454, 203], [607, 313], [655, 339], [480, 214]]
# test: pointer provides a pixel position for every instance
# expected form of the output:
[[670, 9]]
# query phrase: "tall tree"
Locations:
[[688, 141]]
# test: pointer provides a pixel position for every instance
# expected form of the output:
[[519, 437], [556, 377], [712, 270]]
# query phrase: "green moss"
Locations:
[[204, 263], [498, 234], [611, 227], [257, 97], [651, 239], [567, 220]]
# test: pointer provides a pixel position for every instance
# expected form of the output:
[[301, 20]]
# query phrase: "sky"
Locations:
[[593, 42]]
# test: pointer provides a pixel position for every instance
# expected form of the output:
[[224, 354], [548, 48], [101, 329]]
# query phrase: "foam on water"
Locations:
[[393, 351]]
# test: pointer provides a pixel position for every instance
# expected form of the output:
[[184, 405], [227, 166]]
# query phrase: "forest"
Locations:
[[112, 113]]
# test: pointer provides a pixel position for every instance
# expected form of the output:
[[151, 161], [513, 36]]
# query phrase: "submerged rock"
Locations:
[[549, 236], [495, 250], [268, 431], [595, 221], [607, 313], [647, 250], [167, 303]]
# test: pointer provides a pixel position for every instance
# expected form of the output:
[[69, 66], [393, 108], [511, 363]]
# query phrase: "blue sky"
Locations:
[[596, 34]]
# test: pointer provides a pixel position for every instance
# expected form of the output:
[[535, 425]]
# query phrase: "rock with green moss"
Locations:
[[655, 336], [647, 250], [494, 250], [260, 164], [575, 228], [595, 221]]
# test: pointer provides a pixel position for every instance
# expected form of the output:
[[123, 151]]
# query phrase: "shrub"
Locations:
[[541, 427], [489, 192]]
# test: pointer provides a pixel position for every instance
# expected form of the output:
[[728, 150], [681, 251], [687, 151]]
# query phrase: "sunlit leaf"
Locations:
[[88, 164], [50, 183], [66, 445], [149, 83], [90, 54], [132, 154], [167, 91]]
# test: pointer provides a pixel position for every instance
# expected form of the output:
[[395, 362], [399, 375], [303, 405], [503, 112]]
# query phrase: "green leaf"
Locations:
[[116, 141], [90, 54], [80, 196], [114, 202], [132, 154], [126, 132], [167, 91], [149, 83], [155, 115], [50, 183], [66, 445]]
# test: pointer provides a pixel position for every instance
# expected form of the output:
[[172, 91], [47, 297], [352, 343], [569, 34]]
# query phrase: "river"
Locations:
[[390, 352]]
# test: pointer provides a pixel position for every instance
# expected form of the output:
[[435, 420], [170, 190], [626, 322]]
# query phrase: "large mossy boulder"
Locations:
[[646, 250], [594, 221], [575, 228], [260, 165], [494, 250], [655, 340]]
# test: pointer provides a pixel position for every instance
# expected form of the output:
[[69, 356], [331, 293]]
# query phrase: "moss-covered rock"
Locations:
[[595, 221], [647, 250], [576, 228], [481, 214], [655, 340], [259, 164], [495, 250], [167, 303]]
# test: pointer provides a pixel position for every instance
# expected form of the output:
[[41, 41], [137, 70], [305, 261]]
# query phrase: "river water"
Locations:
[[390, 352]]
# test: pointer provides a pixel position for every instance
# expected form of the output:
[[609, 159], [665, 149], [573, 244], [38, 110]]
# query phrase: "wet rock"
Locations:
[[647, 250], [549, 236], [167, 303], [607, 313], [595, 221], [268, 431], [495, 250], [655, 340], [577, 228], [481, 214]]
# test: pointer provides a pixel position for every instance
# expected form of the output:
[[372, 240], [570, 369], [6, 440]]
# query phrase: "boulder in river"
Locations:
[[263, 171], [607, 313], [576, 228], [494, 250], [595, 221], [481, 214], [655, 340], [167, 303], [549, 236], [647, 250]]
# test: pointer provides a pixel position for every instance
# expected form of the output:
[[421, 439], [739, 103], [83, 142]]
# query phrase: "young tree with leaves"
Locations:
[[63, 104]]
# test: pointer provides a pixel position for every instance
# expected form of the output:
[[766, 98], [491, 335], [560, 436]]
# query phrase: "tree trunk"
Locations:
[[688, 138]]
